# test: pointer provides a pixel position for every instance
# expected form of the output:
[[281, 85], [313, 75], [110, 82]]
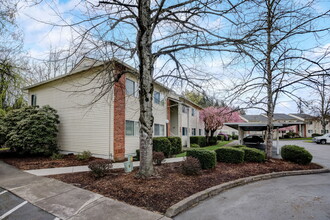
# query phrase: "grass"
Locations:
[[309, 141], [4, 148], [213, 147]]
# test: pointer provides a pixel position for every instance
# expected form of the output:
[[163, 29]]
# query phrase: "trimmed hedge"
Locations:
[[205, 157], [200, 140], [162, 144], [176, 145], [253, 155], [296, 154], [234, 137], [230, 155], [212, 141], [316, 135]]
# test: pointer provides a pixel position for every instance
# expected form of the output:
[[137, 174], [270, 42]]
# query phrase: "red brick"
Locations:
[[119, 119]]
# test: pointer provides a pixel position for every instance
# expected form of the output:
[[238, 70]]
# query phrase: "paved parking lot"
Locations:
[[295, 197], [13, 207]]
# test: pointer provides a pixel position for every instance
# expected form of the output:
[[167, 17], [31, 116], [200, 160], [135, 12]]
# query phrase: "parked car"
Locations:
[[253, 139], [322, 139]]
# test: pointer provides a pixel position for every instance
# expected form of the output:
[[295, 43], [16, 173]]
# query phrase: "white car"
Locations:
[[322, 139]]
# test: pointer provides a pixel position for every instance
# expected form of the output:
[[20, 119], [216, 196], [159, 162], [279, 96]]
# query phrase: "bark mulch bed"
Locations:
[[31, 163], [170, 187]]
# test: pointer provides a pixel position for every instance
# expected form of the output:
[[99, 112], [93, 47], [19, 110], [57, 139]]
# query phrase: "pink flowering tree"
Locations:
[[215, 117]]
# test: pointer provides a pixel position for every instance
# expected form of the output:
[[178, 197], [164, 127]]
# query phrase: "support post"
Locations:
[[240, 135]]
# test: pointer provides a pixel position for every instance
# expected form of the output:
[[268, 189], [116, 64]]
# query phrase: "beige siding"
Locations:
[[132, 113], [82, 127]]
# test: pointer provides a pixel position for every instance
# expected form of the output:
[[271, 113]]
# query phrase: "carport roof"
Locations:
[[259, 126]]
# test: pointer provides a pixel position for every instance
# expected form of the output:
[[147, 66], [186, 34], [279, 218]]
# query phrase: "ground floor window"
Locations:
[[310, 131], [159, 130], [184, 131], [193, 131], [131, 128], [200, 132]]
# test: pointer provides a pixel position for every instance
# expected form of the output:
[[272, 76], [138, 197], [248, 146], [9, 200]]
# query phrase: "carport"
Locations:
[[243, 127]]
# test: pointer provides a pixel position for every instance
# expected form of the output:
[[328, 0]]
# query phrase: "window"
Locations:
[[130, 87], [310, 122], [326, 131], [193, 131], [184, 109], [192, 112], [200, 132], [159, 130], [184, 131], [132, 128], [33, 100], [310, 131], [158, 98]]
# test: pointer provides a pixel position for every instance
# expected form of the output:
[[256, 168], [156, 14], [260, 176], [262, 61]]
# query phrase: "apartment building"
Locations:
[[105, 120]]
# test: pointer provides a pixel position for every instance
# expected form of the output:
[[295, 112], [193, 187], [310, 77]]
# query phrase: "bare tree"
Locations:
[[321, 104], [279, 57], [173, 32]]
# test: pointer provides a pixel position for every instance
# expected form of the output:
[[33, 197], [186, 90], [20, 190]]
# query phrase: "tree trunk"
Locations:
[[207, 135], [270, 104], [144, 39]]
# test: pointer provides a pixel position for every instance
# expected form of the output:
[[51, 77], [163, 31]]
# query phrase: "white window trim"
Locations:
[[159, 135]]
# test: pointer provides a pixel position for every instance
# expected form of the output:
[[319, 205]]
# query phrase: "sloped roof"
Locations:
[[281, 116], [254, 118], [303, 115]]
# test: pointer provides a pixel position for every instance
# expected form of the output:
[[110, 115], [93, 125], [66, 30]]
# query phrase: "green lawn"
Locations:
[[220, 144]]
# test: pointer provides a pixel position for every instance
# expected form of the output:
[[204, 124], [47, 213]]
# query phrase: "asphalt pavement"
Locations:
[[303, 197]]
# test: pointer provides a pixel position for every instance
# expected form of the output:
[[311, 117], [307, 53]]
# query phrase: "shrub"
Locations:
[[176, 145], [234, 137], [191, 166], [85, 155], [194, 146], [221, 137], [32, 130], [56, 156], [200, 140], [286, 136], [100, 168], [213, 141], [205, 157], [316, 135], [296, 154], [253, 155], [158, 157], [162, 144], [230, 155], [3, 131]]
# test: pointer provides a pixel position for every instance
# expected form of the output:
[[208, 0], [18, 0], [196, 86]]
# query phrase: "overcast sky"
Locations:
[[39, 37]]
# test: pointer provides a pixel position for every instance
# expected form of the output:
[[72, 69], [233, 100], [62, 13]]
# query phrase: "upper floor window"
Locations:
[[33, 100], [184, 109], [159, 130], [192, 112], [130, 87], [158, 98]]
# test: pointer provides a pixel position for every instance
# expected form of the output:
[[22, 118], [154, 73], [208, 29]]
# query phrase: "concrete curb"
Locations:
[[215, 190]]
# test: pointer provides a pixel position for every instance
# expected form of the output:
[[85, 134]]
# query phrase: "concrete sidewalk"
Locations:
[[76, 169], [67, 201]]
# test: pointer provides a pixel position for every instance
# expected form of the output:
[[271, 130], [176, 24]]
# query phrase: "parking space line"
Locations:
[[3, 192], [13, 210]]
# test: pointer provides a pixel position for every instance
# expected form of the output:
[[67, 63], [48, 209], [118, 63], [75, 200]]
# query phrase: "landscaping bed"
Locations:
[[170, 185], [33, 162]]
